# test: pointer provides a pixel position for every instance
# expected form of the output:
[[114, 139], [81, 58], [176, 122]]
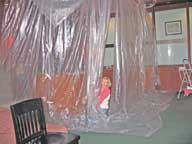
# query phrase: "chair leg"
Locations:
[[180, 90]]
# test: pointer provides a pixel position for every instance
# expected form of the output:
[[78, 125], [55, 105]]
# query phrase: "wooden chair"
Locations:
[[30, 127]]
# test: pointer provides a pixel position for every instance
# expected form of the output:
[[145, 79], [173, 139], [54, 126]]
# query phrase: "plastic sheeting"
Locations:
[[55, 50]]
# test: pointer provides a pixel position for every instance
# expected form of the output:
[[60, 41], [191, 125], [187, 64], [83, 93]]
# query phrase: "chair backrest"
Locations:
[[29, 122]]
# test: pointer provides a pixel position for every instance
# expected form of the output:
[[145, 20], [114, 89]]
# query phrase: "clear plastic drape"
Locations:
[[55, 49], [134, 53]]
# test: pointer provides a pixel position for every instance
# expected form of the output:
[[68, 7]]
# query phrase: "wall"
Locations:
[[109, 51], [171, 40], [171, 47], [190, 18]]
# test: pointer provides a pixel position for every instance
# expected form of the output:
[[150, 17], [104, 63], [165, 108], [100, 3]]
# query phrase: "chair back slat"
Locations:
[[22, 128], [32, 122], [25, 125], [29, 122]]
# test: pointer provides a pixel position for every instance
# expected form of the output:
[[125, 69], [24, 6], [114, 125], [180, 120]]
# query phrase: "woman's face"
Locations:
[[105, 82]]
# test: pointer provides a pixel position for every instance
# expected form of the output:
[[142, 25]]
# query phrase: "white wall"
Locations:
[[190, 15], [111, 31], [109, 56], [171, 49], [109, 52]]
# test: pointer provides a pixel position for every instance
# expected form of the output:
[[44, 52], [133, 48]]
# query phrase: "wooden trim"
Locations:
[[109, 46], [168, 66], [167, 7], [112, 14]]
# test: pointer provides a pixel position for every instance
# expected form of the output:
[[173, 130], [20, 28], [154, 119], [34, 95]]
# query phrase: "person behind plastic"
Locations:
[[104, 96]]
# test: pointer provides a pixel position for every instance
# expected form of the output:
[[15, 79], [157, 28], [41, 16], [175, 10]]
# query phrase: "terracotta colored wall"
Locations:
[[65, 91], [169, 79], [149, 78], [108, 72]]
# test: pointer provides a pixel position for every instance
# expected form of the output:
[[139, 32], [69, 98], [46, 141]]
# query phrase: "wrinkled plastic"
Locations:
[[55, 50]]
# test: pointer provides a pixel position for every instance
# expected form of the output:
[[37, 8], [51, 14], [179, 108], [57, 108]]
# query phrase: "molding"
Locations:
[[171, 41]]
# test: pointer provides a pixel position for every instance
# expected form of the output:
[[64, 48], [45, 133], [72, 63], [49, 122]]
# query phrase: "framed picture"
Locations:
[[173, 27]]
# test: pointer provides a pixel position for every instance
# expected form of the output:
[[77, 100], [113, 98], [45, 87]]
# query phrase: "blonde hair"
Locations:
[[108, 81]]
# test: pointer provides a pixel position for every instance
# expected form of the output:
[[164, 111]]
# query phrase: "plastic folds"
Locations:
[[55, 50]]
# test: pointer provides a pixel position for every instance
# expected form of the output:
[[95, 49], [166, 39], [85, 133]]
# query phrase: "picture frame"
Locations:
[[173, 27]]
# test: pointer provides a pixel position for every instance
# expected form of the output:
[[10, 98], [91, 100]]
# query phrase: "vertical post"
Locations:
[[188, 32], [156, 72], [154, 23], [1, 18], [153, 16]]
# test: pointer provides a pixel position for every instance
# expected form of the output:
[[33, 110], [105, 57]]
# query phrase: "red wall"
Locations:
[[169, 79]]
